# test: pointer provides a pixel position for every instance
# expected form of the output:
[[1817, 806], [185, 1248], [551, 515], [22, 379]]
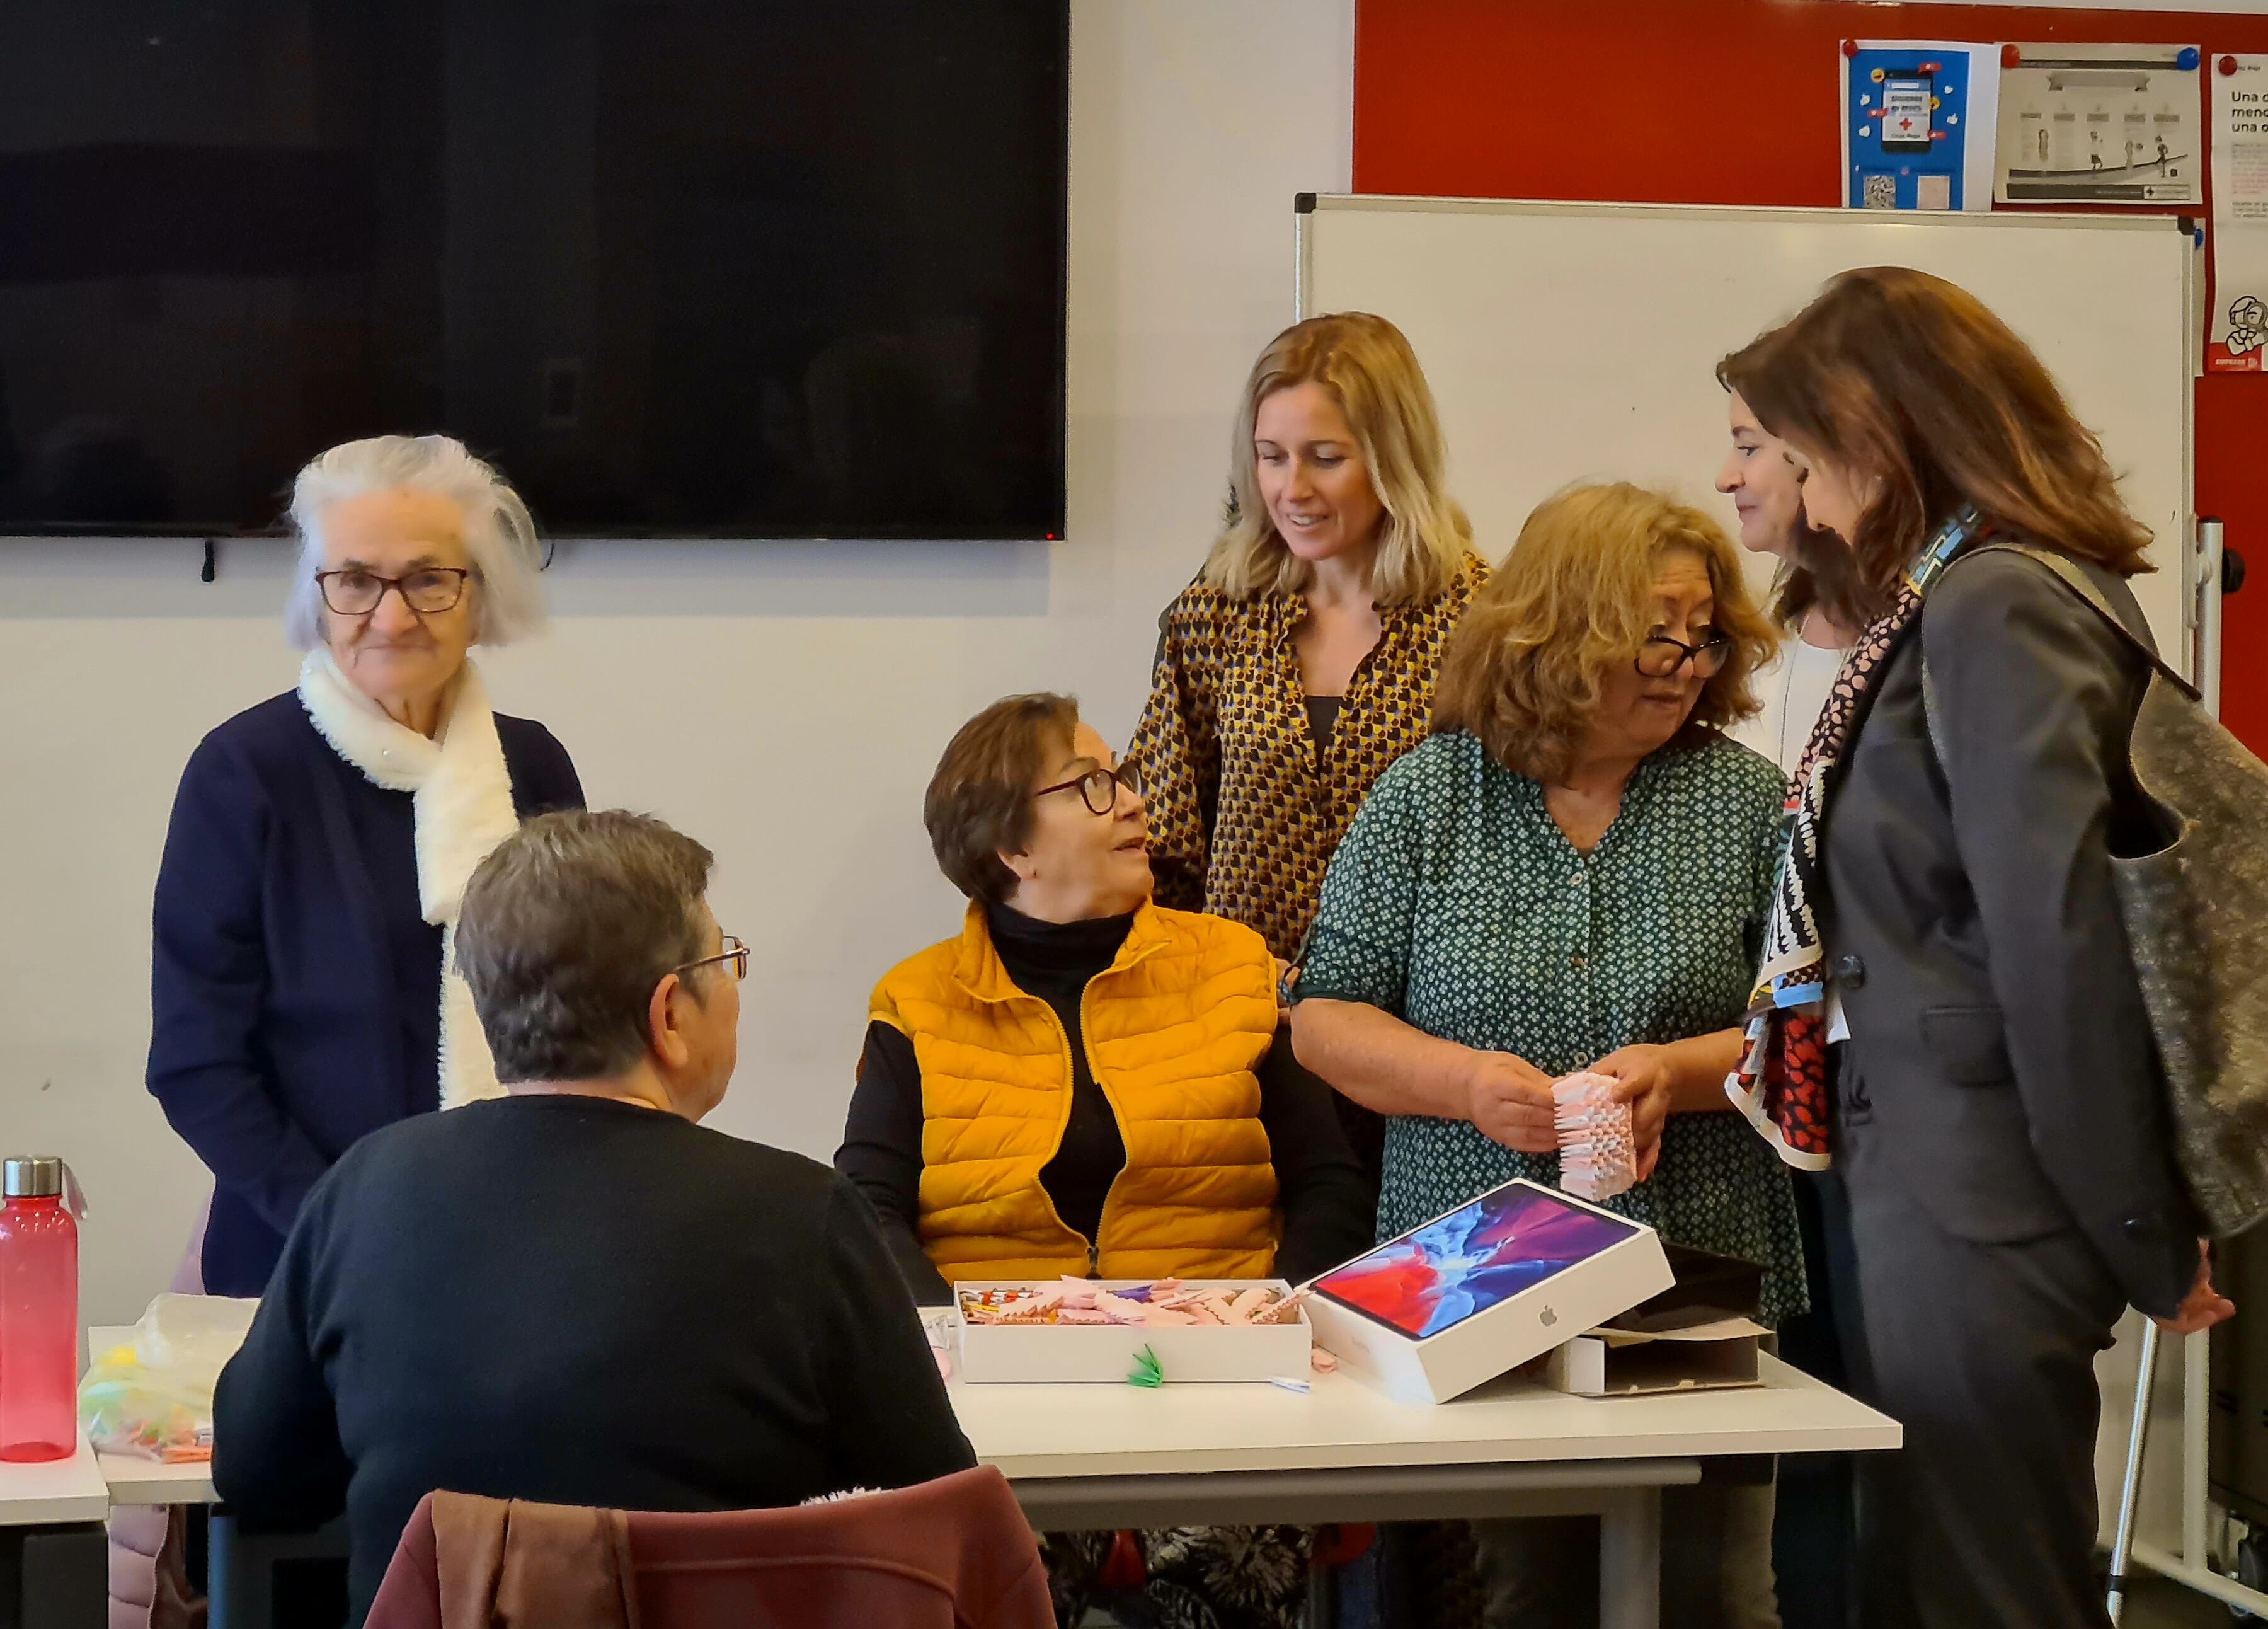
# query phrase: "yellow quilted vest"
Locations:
[[1173, 1027]]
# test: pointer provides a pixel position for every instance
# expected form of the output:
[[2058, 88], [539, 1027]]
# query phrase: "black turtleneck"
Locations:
[[1329, 1206], [1054, 961]]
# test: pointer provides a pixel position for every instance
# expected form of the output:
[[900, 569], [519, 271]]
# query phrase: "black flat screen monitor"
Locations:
[[724, 268]]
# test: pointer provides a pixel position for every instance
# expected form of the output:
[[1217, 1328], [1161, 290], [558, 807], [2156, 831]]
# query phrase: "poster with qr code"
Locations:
[[1909, 107]]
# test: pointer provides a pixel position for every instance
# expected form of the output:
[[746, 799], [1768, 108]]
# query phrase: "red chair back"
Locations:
[[954, 1553]]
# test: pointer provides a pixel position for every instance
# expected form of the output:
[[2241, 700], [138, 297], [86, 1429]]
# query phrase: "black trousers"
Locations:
[[1816, 1530], [1986, 1353]]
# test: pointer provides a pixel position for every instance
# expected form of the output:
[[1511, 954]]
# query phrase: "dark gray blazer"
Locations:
[[1997, 1035]]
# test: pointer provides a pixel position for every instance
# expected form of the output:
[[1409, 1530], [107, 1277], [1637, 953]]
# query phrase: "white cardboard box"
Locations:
[[1102, 1352], [1625, 1363], [1456, 1303]]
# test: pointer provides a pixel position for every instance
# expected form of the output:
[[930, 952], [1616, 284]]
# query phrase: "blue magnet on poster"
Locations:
[[2188, 60]]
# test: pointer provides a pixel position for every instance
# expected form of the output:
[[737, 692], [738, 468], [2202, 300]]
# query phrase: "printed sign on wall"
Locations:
[[2238, 332], [1908, 107], [2098, 124]]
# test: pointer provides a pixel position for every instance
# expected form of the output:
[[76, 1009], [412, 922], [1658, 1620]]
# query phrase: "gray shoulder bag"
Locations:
[[2196, 913]]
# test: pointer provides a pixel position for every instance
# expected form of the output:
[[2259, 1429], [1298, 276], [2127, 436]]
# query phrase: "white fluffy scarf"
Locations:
[[460, 795]]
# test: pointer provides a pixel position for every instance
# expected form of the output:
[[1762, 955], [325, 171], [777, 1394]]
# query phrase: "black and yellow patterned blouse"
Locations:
[[1244, 811]]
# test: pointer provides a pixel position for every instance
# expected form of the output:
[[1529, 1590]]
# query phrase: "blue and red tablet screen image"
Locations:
[[1504, 1242]]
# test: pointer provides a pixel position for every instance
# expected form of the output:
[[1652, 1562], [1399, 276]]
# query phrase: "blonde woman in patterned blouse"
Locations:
[[1301, 661]]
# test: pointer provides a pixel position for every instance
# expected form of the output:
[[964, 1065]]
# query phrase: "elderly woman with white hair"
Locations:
[[302, 988]]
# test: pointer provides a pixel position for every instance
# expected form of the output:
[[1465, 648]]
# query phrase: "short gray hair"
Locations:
[[499, 532], [565, 930]]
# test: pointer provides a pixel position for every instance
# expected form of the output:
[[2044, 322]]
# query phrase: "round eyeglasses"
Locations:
[[356, 592], [1663, 656], [1099, 788]]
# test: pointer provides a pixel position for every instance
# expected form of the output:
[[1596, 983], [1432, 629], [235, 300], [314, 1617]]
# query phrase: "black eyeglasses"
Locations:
[[734, 952], [356, 592], [1099, 788], [1661, 656]]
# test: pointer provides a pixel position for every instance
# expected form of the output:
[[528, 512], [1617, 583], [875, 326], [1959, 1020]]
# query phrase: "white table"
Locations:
[[1089, 1457], [51, 1545], [54, 1493], [1118, 1457]]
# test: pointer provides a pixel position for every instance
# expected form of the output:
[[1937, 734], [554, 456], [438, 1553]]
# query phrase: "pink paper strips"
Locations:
[[1164, 1304], [1598, 1150]]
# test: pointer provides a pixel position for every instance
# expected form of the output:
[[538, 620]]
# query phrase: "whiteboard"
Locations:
[[1574, 341]]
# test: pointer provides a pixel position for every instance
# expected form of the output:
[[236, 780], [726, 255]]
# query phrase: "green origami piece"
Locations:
[[1148, 1372]]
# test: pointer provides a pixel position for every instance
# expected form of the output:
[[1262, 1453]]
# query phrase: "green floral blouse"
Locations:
[[1456, 903]]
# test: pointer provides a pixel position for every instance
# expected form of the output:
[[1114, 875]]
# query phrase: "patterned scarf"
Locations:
[[1781, 1082]]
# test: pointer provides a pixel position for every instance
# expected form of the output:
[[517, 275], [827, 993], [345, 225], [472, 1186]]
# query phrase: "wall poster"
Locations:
[[2099, 124]]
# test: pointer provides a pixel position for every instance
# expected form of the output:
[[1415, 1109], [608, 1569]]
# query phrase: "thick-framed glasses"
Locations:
[[1661, 656], [1099, 788], [734, 952], [356, 592]]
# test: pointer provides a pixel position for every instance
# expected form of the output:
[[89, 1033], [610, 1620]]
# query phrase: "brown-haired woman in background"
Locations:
[[1301, 661], [1998, 1111]]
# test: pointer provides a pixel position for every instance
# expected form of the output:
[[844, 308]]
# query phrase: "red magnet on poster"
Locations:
[[2228, 65], [1930, 68], [2012, 57], [1849, 47]]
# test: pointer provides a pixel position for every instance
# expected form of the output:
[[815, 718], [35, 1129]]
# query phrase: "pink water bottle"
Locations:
[[39, 1314]]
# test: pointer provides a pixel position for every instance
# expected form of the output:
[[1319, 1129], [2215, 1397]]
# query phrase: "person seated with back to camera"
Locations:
[[575, 1293], [1082, 1082]]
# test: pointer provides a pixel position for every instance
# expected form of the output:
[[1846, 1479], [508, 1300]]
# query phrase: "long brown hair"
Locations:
[[1529, 661], [1908, 380]]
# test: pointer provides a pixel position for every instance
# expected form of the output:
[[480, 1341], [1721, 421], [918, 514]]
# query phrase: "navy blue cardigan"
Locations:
[[295, 989]]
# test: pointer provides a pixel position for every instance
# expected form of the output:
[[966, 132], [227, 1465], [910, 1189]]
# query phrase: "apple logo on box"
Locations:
[[1549, 1317]]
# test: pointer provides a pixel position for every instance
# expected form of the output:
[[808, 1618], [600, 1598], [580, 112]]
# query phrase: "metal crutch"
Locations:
[[2122, 1549]]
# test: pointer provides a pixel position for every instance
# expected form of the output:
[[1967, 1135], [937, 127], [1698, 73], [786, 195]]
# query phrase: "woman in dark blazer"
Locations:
[[1997, 1110], [321, 840]]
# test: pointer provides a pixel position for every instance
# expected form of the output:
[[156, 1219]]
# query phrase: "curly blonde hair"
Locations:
[[1524, 670], [1370, 371]]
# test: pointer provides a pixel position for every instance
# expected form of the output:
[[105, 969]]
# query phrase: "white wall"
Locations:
[[784, 702]]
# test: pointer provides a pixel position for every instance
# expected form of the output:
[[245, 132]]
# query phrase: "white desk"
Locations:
[[1084, 1455], [58, 1492], [51, 1548]]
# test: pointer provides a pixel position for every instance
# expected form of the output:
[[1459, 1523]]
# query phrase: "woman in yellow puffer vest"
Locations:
[[1080, 1081]]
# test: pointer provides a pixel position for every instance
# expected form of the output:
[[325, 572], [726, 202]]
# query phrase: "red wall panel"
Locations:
[[1620, 100]]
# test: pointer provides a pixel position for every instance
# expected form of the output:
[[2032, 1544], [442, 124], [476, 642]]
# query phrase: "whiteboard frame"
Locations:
[[2199, 591]]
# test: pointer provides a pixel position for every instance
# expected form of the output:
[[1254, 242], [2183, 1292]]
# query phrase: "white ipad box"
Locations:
[[1457, 1301]]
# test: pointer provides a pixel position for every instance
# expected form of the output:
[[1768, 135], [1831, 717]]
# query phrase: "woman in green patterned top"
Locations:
[[1572, 873]]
